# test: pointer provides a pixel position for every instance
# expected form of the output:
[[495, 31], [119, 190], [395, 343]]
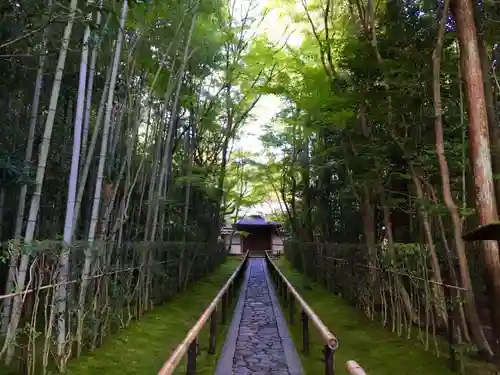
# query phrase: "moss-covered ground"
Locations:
[[146, 344], [375, 348]]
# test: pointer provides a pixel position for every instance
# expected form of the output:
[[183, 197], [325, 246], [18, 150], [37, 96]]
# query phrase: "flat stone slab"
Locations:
[[254, 344]]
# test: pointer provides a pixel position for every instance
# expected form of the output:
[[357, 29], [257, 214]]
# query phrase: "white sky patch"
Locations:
[[277, 28]]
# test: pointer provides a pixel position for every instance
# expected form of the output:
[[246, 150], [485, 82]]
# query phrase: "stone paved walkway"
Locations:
[[257, 347]]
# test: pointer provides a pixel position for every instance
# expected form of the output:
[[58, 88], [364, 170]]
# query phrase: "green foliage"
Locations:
[[246, 183], [14, 172], [328, 79]]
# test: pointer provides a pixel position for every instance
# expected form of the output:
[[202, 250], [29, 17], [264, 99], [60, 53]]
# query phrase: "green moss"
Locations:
[[146, 344], [376, 349]]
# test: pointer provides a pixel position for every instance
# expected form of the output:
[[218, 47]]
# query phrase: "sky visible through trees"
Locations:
[[277, 28]]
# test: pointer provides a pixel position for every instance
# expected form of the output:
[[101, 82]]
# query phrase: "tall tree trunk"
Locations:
[[471, 311], [105, 133], [187, 169], [493, 128], [70, 204], [125, 162], [479, 149], [166, 162], [82, 182], [90, 86], [154, 179], [40, 174], [21, 203], [462, 321], [106, 108]]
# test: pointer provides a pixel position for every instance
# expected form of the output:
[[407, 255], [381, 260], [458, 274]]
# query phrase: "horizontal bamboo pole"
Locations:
[[69, 282], [329, 338], [396, 272], [354, 369], [79, 280], [181, 350]]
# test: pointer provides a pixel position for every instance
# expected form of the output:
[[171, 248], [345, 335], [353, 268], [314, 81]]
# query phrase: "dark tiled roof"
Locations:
[[256, 220]]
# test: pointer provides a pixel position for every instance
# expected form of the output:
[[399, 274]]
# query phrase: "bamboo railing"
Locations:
[[189, 346], [290, 296]]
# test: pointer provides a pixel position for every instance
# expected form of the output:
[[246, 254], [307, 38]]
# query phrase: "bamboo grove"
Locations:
[[118, 121], [390, 138]]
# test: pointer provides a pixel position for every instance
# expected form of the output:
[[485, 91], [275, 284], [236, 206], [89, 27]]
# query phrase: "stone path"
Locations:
[[258, 345]]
